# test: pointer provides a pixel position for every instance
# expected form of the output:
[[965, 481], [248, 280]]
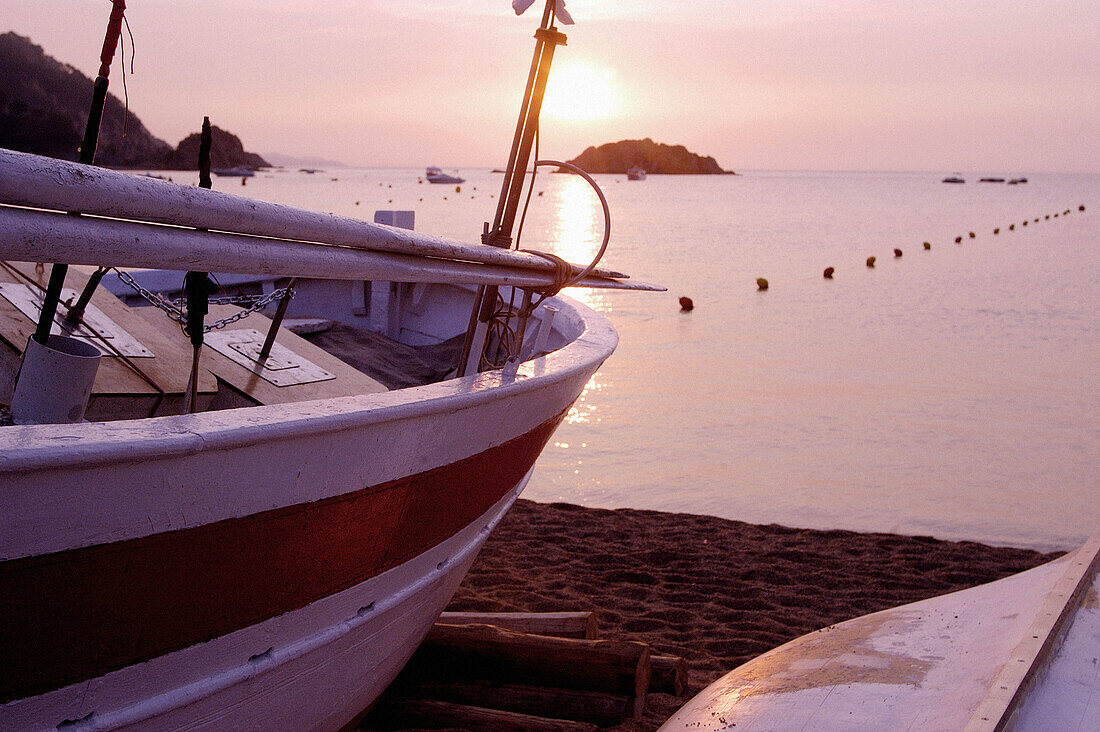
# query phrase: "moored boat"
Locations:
[[234, 172], [635, 173], [435, 175]]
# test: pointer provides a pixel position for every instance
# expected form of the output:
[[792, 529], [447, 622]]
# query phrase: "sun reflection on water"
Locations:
[[583, 410], [576, 231]]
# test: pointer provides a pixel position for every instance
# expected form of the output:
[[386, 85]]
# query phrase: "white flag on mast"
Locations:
[[560, 12]]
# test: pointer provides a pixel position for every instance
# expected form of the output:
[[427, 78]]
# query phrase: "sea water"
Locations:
[[951, 391]]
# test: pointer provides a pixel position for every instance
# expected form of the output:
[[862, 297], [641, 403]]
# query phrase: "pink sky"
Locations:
[[1008, 86]]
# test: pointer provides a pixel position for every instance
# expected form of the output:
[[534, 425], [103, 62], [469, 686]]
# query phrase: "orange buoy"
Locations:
[[897, 253], [958, 240], [1012, 227], [997, 231], [828, 273], [870, 261], [972, 235], [1024, 224], [686, 304], [761, 284], [927, 245]]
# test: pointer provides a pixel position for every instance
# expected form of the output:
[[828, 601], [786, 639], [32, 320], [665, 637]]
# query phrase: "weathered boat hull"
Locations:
[[270, 567], [1019, 653]]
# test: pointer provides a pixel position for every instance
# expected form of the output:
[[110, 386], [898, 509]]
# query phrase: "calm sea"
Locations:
[[949, 392]]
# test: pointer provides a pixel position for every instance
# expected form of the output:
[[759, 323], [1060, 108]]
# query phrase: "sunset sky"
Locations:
[[953, 85]]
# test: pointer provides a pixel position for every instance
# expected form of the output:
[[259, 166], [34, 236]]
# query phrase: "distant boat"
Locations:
[[435, 175], [234, 172], [953, 179], [309, 171], [635, 173], [991, 180], [1014, 181]]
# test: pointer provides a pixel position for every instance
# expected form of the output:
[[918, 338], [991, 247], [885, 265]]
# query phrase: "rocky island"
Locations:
[[653, 157], [44, 109]]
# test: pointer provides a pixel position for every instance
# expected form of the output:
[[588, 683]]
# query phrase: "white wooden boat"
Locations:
[[635, 173], [273, 566], [1021, 653]]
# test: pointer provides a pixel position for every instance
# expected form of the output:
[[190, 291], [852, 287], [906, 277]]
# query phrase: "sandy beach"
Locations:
[[714, 591]]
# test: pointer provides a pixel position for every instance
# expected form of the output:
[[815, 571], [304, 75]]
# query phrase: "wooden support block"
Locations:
[[559, 625], [425, 714], [489, 652], [600, 708], [669, 675]]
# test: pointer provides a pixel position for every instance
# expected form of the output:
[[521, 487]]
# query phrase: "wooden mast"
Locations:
[[87, 156], [547, 38]]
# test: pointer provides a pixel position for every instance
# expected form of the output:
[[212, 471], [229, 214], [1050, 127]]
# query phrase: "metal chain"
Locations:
[[174, 308]]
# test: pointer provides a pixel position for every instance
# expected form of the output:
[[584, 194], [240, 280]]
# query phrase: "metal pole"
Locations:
[[547, 37], [87, 156], [197, 285]]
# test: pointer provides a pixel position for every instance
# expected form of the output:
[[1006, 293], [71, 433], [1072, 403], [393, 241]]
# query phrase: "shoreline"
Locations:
[[715, 591]]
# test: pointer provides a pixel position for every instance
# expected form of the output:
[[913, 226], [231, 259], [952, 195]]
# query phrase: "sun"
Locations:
[[578, 91]]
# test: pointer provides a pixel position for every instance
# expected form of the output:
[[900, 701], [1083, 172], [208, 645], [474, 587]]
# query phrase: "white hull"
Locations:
[[1020, 653], [312, 669], [219, 516]]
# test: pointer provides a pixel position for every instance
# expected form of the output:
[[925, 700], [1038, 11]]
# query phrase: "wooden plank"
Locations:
[[425, 714], [30, 180], [348, 381], [45, 236], [559, 625], [669, 675], [485, 651], [599, 708], [119, 390]]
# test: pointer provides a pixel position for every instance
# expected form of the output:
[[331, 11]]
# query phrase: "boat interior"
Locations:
[[334, 338]]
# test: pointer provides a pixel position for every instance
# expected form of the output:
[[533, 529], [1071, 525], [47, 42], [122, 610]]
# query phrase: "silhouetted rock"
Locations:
[[226, 151], [654, 158], [44, 110]]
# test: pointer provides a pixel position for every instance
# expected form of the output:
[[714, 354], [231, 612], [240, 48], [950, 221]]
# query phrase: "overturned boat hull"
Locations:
[[1019, 653]]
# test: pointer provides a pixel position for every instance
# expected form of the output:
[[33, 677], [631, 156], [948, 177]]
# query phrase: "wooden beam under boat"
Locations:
[[39, 182], [33, 235]]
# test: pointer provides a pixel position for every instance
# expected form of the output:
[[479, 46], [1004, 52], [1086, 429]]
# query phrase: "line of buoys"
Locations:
[[762, 284]]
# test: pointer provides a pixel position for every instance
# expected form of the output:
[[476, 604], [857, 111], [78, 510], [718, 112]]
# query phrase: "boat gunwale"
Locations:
[[34, 447]]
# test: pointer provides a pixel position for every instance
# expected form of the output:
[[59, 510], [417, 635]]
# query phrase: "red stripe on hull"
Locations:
[[81, 613]]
